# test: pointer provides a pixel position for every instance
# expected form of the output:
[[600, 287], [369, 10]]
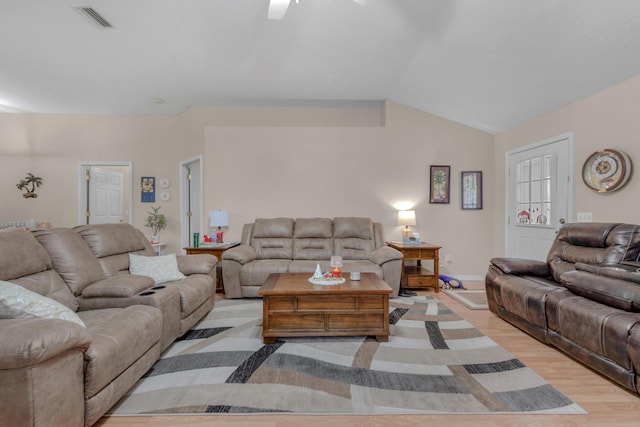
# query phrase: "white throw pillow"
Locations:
[[17, 302], [160, 268]]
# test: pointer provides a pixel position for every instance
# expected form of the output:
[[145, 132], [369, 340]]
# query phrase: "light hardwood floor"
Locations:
[[606, 403]]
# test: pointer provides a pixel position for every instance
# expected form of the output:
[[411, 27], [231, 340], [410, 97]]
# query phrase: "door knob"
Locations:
[[562, 220]]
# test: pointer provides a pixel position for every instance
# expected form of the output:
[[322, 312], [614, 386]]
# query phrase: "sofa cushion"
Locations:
[[621, 294], [308, 266], [273, 227], [346, 227], [17, 302], [592, 243], [256, 272], [112, 239], [26, 262], [587, 324], [353, 238], [194, 291], [71, 257], [272, 238], [120, 336], [313, 228], [617, 271], [160, 268], [313, 239], [50, 284], [21, 254], [118, 264]]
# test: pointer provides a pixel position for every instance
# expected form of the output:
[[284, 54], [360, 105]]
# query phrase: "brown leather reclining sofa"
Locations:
[[584, 300], [58, 373]]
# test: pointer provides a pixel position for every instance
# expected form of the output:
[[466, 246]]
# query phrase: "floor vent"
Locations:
[[94, 17]]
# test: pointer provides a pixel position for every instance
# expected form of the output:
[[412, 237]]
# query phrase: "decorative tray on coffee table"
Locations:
[[327, 280]]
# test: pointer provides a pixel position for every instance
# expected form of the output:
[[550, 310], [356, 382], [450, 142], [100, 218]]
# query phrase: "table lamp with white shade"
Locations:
[[406, 218], [219, 219]]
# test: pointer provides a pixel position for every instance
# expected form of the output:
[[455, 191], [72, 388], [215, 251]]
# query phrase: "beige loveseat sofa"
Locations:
[[66, 373], [287, 245]]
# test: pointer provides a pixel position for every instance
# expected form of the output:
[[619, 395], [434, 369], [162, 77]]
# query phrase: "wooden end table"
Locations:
[[216, 249], [292, 306], [416, 276]]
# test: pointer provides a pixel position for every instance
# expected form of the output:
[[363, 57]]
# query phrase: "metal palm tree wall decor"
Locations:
[[28, 184]]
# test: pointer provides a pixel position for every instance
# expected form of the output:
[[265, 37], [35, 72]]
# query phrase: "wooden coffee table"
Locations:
[[294, 307]]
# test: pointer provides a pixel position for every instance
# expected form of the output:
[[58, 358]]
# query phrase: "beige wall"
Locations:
[[377, 166], [51, 146], [385, 152], [354, 171], [607, 119]]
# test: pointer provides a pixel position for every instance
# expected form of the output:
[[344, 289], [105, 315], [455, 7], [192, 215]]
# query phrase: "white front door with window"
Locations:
[[539, 196]]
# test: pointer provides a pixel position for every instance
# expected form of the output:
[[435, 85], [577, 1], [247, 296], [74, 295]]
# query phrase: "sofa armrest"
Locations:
[[41, 372], [241, 254], [196, 264], [521, 267], [384, 254], [28, 342]]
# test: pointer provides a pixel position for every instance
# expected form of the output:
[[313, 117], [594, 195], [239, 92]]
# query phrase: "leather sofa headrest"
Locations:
[[21, 254]]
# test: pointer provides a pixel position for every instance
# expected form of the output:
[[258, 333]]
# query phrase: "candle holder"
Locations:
[[336, 266]]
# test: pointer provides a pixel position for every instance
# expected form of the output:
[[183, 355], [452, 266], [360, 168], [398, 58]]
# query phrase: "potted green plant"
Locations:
[[157, 222]]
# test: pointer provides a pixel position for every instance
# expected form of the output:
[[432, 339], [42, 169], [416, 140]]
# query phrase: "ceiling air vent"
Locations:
[[94, 17]]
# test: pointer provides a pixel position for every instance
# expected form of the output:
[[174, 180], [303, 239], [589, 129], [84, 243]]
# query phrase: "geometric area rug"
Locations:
[[434, 363]]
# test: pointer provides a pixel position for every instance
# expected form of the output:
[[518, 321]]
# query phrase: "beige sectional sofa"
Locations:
[[280, 245], [62, 373]]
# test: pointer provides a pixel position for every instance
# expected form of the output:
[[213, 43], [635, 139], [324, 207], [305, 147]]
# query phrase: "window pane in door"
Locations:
[[533, 190]]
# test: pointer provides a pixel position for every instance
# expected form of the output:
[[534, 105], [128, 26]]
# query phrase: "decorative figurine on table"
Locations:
[[318, 273], [207, 239]]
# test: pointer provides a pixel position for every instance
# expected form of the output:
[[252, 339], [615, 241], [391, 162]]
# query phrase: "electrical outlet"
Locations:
[[447, 259], [584, 217]]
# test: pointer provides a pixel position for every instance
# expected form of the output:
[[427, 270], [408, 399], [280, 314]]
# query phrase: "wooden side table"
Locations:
[[416, 276], [216, 249]]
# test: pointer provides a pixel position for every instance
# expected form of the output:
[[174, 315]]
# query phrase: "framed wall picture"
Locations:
[[471, 189], [148, 189], [439, 183]]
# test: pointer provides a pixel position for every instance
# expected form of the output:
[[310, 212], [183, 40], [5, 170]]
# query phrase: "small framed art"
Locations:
[[148, 189], [439, 183], [471, 189]]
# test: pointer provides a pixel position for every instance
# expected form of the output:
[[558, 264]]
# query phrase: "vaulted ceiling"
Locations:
[[490, 64]]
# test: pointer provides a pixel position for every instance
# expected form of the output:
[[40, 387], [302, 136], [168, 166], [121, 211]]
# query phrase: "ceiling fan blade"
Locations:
[[277, 9]]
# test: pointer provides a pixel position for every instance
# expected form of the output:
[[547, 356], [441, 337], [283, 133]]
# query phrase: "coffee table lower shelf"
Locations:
[[338, 310]]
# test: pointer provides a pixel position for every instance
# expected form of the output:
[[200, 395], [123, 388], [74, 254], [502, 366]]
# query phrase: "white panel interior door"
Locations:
[[105, 200], [539, 196]]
